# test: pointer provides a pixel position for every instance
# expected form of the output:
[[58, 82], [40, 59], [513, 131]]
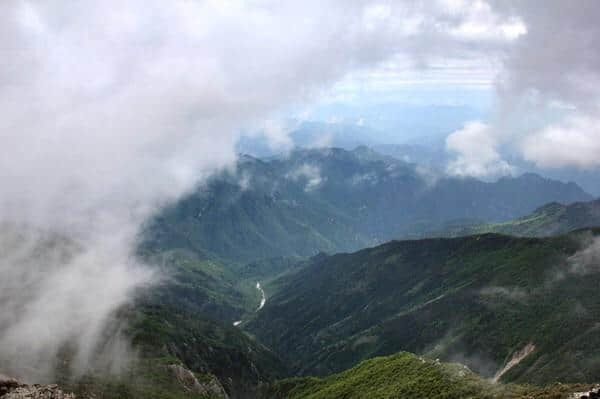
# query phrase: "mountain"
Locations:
[[404, 375], [311, 134], [180, 329], [550, 219], [487, 301], [334, 200], [186, 345], [262, 210]]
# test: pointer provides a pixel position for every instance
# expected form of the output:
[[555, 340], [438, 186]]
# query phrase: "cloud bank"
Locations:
[[548, 88], [475, 146]]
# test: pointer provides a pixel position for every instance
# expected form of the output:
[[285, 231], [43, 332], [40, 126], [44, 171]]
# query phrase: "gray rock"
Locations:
[[11, 388], [191, 383]]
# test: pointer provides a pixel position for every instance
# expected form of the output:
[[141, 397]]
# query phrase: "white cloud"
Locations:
[[574, 142], [587, 260], [481, 22], [475, 146], [517, 294], [311, 174], [556, 62]]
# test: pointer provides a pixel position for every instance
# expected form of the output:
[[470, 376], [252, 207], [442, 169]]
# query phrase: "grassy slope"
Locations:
[[475, 299], [404, 375], [149, 378], [189, 315], [185, 319], [550, 219]]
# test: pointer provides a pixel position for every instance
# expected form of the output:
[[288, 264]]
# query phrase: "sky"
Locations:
[[113, 109]]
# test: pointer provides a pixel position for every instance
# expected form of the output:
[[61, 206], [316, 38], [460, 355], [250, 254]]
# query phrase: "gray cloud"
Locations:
[[548, 87], [476, 148], [557, 66], [587, 260]]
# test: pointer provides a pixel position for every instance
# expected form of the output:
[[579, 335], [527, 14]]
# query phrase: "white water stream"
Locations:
[[264, 298]]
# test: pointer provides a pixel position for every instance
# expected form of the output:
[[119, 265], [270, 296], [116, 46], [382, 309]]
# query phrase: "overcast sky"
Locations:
[[111, 109]]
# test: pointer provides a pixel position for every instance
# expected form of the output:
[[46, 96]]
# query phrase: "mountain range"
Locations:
[[316, 231], [335, 200], [550, 219], [480, 300]]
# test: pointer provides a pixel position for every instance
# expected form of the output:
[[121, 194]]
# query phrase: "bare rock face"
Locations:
[[7, 384], [191, 383], [14, 389], [593, 393]]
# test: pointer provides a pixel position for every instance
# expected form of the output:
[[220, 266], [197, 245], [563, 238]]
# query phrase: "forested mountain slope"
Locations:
[[550, 219], [479, 300], [334, 200]]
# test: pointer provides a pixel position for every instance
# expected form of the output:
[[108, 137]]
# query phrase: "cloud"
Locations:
[[482, 22], [516, 294], [587, 260], [311, 174], [555, 63], [574, 142], [475, 146], [558, 56], [547, 82], [277, 135]]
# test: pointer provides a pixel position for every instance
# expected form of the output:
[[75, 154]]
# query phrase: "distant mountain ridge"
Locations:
[[550, 219], [335, 200]]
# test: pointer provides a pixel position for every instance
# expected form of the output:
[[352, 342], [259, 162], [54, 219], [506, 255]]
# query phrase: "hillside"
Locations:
[[404, 375], [550, 219], [184, 321], [478, 300], [177, 336], [334, 200]]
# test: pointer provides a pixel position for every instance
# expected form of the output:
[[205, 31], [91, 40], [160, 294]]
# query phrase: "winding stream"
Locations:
[[264, 298]]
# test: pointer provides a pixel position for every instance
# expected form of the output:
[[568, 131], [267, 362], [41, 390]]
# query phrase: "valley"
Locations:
[[476, 300]]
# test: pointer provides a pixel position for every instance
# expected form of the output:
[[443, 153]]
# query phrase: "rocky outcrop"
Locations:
[[516, 359], [593, 393], [14, 389], [211, 386]]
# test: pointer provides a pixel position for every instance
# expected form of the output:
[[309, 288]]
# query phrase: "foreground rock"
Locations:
[[190, 382], [593, 393], [14, 389]]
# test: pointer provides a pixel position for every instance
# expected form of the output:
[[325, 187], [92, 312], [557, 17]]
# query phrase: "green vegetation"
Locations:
[[260, 221], [550, 219], [476, 300], [149, 378], [332, 200], [404, 375]]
